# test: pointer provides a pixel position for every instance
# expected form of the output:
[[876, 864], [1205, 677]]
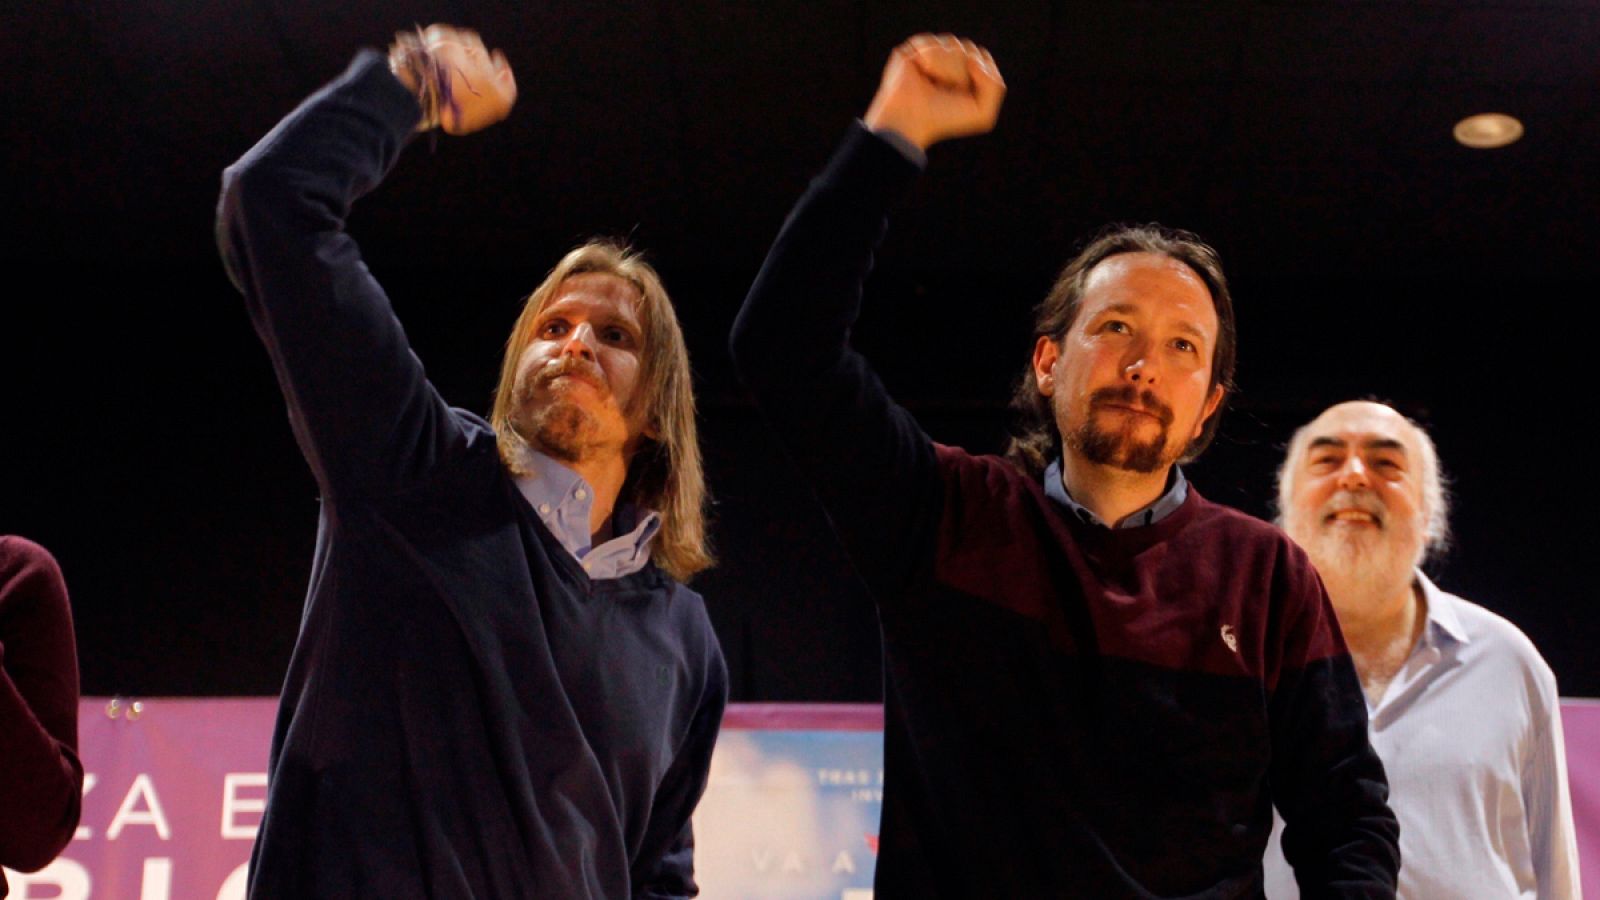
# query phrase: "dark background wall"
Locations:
[[145, 442]]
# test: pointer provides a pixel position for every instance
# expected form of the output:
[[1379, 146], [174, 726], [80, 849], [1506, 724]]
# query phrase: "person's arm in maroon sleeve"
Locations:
[[1340, 835], [41, 780]]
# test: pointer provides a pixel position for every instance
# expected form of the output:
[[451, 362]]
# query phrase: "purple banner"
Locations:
[[173, 792], [1580, 720], [175, 788]]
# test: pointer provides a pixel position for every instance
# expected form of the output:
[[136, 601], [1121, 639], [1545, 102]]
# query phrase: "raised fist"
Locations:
[[471, 87], [937, 87]]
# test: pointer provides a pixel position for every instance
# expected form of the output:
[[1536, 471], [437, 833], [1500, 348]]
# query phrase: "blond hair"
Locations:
[[665, 473]]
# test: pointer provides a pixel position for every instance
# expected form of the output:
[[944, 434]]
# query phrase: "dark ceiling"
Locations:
[[1309, 141], [1273, 128]]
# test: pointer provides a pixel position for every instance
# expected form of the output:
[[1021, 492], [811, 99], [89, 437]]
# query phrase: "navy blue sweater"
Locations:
[[466, 713], [1070, 711]]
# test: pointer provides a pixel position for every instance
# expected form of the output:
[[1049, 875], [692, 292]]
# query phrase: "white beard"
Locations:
[[1359, 563]]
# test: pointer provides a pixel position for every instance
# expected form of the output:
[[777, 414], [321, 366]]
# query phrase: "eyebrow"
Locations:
[[611, 316], [1185, 326]]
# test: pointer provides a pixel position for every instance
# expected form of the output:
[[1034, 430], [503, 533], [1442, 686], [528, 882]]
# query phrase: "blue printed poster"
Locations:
[[790, 814]]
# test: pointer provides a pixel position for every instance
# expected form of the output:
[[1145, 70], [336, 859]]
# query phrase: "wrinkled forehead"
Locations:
[[597, 292], [1363, 425]]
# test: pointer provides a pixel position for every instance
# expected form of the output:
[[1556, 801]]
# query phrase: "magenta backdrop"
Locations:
[[1580, 719], [174, 793]]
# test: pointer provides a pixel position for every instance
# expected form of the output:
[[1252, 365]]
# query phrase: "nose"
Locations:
[[1353, 474], [580, 342], [1138, 368]]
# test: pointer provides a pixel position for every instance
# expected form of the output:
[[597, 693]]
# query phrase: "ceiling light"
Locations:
[[1487, 131]]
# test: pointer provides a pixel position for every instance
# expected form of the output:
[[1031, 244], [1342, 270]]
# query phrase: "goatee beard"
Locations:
[[564, 430], [1119, 448]]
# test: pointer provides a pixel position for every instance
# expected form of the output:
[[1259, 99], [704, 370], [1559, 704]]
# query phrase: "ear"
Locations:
[[1212, 402], [1046, 353]]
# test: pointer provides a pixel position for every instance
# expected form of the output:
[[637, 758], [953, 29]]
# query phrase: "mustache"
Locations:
[[1128, 395], [570, 365], [1358, 500]]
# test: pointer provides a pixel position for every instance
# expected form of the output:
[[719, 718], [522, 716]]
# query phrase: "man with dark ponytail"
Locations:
[[1098, 683]]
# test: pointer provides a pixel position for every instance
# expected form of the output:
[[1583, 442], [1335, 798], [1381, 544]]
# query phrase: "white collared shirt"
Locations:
[[1470, 735]]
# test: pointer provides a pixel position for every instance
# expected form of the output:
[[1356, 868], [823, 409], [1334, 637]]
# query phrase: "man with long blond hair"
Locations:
[[501, 687]]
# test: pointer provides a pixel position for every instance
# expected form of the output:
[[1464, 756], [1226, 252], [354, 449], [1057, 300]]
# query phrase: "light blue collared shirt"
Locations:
[[1469, 732], [1163, 506], [563, 501]]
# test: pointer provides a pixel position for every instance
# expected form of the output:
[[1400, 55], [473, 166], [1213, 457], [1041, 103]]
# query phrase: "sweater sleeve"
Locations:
[[1327, 781], [870, 463], [41, 779], [361, 407], [664, 869]]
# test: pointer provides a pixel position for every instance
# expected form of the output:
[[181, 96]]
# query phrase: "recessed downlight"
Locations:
[[1486, 131]]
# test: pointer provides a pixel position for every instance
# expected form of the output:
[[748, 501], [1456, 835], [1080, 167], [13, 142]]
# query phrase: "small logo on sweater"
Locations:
[[1229, 638]]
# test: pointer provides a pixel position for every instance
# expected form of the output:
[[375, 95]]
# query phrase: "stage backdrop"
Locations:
[[175, 789]]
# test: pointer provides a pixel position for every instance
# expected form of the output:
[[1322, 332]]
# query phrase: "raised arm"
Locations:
[[41, 780], [362, 409], [868, 460]]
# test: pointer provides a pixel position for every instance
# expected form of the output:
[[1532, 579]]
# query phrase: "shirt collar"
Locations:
[[1443, 618], [1163, 506], [563, 500]]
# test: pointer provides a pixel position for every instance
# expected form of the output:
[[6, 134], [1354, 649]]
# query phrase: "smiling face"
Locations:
[[1354, 492], [1130, 383], [574, 394]]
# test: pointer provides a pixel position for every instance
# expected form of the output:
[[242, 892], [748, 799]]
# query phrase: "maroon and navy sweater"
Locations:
[[1070, 710], [41, 780]]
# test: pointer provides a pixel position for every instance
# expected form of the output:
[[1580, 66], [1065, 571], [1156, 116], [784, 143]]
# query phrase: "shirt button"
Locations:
[[581, 493], [544, 508]]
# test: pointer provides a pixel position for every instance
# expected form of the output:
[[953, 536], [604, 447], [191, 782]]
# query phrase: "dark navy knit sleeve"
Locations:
[[362, 410], [664, 866], [1327, 781], [868, 460]]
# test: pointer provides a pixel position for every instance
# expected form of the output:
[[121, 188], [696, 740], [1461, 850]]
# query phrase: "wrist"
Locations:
[[414, 66], [403, 75], [880, 123], [913, 153]]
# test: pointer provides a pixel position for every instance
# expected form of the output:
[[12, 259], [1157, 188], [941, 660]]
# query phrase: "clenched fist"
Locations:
[[937, 87], [472, 87]]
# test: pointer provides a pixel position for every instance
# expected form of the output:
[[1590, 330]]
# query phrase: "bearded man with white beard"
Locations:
[[1462, 709]]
